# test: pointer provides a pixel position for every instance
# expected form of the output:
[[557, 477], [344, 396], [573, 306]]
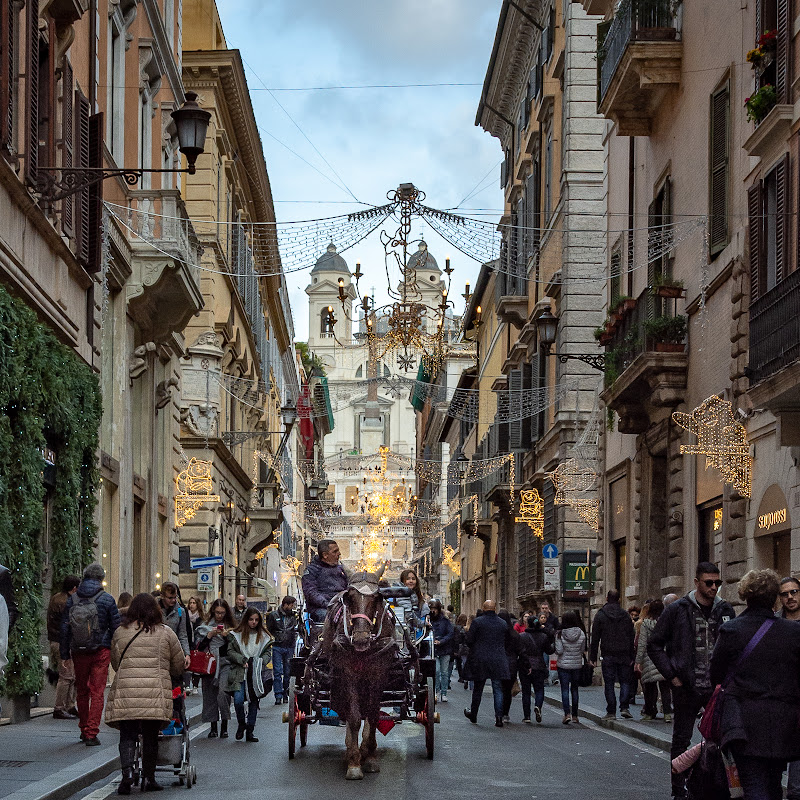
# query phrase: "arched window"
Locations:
[[326, 322], [360, 371]]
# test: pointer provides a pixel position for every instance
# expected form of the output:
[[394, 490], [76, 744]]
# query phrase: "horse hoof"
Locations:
[[354, 774], [372, 766]]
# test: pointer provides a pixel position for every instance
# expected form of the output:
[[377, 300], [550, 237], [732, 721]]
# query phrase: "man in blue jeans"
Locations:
[[486, 639], [612, 633], [282, 623]]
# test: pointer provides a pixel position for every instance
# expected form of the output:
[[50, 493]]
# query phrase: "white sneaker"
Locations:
[[444, 698]]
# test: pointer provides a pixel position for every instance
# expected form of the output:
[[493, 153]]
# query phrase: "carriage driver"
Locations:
[[323, 579]]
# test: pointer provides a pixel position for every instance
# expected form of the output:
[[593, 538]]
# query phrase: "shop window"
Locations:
[[709, 531]]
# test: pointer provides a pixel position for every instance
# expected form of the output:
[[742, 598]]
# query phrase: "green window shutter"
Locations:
[[755, 212]]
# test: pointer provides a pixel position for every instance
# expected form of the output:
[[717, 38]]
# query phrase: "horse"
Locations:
[[361, 646]]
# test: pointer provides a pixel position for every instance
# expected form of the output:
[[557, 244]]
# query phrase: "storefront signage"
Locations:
[[773, 513], [579, 574]]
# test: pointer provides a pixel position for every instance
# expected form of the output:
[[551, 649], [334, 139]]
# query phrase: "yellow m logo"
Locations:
[[581, 573]]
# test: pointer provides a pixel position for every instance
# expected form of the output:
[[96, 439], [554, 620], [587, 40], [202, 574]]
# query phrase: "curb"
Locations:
[[66, 782], [629, 729]]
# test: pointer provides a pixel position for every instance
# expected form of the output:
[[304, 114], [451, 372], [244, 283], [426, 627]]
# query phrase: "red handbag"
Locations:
[[201, 662]]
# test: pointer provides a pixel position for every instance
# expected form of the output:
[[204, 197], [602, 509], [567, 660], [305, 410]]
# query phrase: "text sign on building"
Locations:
[[773, 513], [207, 562], [579, 574], [205, 580], [552, 575]]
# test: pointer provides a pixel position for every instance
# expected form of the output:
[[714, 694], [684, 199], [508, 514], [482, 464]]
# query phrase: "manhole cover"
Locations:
[[14, 763]]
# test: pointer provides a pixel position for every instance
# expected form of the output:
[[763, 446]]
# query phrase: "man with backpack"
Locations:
[[89, 620]]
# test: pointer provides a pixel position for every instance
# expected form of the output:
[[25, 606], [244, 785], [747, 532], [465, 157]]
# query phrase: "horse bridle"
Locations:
[[376, 622]]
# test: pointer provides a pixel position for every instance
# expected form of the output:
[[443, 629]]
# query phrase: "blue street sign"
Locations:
[[548, 551], [205, 563]]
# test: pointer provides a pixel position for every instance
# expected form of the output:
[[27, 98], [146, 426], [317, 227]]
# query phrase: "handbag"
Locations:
[[586, 675], [201, 662], [710, 725]]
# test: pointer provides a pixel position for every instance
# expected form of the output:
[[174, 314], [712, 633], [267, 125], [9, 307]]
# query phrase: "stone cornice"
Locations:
[[508, 67]]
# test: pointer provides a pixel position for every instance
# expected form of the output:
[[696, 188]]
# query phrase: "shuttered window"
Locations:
[[782, 53], [769, 212], [67, 139], [515, 409], [718, 159], [8, 82], [31, 92], [615, 274], [659, 261], [82, 162]]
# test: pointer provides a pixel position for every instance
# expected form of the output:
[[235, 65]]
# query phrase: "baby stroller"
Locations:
[[173, 746]]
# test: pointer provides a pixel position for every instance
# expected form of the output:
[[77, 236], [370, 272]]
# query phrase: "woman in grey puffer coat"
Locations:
[[652, 680], [570, 647]]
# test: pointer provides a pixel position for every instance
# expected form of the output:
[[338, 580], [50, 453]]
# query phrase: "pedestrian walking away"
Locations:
[[60, 671], [757, 659], [88, 623], [570, 646], [550, 622], [789, 596], [487, 638], [250, 675], [536, 642], [513, 653], [213, 636], [680, 647], [283, 625], [147, 657], [612, 633], [652, 680]]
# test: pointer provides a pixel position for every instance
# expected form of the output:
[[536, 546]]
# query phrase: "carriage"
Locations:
[[407, 696]]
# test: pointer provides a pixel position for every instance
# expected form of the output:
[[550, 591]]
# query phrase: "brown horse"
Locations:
[[360, 643]]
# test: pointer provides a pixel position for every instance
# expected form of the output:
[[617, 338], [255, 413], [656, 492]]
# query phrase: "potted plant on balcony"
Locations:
[[760, 103], [665, 286], [621, 306], [603, 336], [666, 334]]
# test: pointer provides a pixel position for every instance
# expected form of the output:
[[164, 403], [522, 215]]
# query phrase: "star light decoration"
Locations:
[[572, 482], [721, 439], [531, 511], [192, 489]]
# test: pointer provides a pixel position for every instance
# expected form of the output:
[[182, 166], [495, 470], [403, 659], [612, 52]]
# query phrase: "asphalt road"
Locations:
[[550, 761]]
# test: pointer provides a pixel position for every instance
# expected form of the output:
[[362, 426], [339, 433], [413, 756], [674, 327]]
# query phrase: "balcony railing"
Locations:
[[635, 20], [633, 335], [775, 329]]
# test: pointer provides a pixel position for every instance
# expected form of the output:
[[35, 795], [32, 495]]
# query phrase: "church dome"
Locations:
[[330, 261], [422, 259]]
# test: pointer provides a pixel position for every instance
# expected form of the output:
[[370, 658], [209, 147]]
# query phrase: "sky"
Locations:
[[328, 148]]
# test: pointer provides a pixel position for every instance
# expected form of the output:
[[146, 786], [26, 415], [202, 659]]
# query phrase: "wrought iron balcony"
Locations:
[[775, 329], [639, 56], [646, 361]]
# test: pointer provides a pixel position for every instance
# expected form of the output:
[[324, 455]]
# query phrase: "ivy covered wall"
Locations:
[[49, 398]]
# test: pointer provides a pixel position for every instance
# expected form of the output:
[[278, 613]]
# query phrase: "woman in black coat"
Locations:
[[513, 651], [762, 694], [537, 641]]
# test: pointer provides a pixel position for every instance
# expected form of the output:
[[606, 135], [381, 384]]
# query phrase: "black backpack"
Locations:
[[84, 624]]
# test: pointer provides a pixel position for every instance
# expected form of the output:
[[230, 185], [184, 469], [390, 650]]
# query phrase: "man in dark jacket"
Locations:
[[323, 579], [538, 643], [612, 632], [91, 663], [442, 647], [680, 646], [790, 609], [282, 624], [487, 638], [62, 671]]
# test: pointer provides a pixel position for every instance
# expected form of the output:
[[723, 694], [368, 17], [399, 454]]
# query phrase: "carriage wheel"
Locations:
[[293, 716], [430, 708]]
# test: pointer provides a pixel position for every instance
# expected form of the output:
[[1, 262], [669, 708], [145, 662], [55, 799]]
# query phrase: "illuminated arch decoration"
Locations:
[[193, 489], [721, 439], [531, 511]]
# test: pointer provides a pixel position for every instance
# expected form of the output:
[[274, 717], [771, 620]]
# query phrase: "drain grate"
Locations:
[[14, 763]]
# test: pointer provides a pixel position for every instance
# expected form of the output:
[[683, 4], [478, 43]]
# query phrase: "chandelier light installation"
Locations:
[[721, 439]]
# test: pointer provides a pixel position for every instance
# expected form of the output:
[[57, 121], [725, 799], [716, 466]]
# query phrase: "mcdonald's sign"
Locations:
[[579, 574]]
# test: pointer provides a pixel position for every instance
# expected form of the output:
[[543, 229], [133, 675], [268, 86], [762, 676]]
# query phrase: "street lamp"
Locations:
[[547, 330], [191, 123]]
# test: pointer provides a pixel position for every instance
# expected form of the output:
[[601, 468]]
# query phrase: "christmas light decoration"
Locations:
[[192, 489], [573, 482], [531, 511], [449, 560], [721, 439]]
